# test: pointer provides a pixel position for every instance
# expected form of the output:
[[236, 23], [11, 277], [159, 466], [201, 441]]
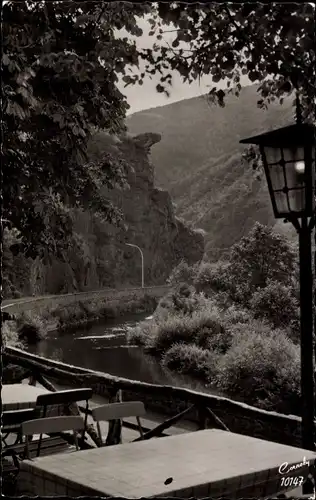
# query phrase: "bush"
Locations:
[[204, 329], [207, 325], [172, 330], [262, 255], [183, 301], [30, 328], [212, 278], [263, 368], [10, 336], [276, 303], [190, 359], [140, 335], [235, 314], [182, 273]]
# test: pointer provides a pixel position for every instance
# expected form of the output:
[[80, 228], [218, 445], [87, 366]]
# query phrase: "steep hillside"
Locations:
[[199, 161]]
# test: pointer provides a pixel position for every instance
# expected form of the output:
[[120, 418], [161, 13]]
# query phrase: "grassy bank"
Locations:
[[84, 313], [33, 326]]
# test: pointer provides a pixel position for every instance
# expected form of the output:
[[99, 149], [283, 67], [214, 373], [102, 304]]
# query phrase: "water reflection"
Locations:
[[103, 347]]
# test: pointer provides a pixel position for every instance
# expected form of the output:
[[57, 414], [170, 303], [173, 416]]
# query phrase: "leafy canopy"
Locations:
[[270, 43], [60, 67]]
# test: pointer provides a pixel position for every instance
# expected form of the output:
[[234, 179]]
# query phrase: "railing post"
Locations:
[[202, 418], [115, 426], [32, 380]]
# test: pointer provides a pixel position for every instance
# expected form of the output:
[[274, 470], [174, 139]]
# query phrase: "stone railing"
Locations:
[[204, 409], [32, 303]]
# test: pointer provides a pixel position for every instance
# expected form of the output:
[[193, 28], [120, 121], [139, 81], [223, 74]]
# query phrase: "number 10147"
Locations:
[[292, 481]]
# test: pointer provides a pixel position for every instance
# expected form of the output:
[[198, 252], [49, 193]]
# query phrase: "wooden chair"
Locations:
[[51, 425], [11, 423], [11, 455], [46, 403], [118, 411]]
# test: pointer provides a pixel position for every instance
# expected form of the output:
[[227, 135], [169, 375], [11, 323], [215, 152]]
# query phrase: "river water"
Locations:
[[103, 347]]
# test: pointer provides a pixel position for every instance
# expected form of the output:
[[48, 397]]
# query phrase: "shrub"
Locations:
[[203, 328], [10, 336], [212, 278], [207, 325], [182, 300], [276, 303], [182, 273], [138, 335], [190, 359], [69, 314], [263, 369], [235, 314], [172, 330], [30, 328], [262, 255]]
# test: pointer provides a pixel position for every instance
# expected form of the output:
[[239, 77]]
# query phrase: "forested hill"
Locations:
[[199, 161]]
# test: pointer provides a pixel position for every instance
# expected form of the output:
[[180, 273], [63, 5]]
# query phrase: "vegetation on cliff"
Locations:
[[234, 324]]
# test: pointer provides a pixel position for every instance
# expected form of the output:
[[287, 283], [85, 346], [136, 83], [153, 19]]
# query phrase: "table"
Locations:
[[209, 463], [20, 396], [23, 396]]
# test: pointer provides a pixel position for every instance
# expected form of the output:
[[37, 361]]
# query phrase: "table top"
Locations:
[[200, 464], [20, 396]]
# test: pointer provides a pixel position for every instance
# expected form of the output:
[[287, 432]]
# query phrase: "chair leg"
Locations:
[[40, 438], [76, 440], [140, 427], [27, 451], [85, 421], [99, 432]]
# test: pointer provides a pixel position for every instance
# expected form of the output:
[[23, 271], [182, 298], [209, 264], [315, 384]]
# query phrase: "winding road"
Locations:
[[38, 302]]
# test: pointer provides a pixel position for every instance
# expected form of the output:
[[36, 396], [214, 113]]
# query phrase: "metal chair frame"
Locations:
[[117, 411], [51, 425], [66, 397]]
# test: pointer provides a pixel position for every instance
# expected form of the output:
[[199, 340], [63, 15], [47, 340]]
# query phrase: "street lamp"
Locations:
[[142, 257], [288, 156]]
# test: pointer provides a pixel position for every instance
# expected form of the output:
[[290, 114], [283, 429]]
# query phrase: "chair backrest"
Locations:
[[52, 424], [115, 411], [13, 418], [64, 397]]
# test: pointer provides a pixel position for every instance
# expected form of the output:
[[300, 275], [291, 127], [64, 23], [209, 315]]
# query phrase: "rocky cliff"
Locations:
[[100, 257]]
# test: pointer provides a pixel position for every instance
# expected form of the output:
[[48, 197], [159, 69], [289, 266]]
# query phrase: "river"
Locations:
[[103, 347]]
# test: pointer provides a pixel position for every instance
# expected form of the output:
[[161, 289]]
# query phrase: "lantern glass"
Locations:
[[290, 181]]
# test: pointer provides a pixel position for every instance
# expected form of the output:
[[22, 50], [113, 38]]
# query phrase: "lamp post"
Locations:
[[142, 257], [288, 156]]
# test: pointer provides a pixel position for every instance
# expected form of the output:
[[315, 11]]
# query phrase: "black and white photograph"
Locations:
[[158, 240]]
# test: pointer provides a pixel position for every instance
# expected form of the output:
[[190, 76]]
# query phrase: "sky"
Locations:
[[146, 96]]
